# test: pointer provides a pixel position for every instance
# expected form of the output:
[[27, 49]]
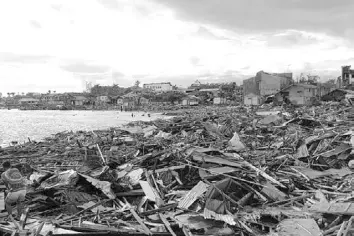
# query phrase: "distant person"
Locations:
[[132, 115], [16, 188], [148, 114]]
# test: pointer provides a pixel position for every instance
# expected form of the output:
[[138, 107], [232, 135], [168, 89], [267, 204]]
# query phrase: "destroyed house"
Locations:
[[339, 95], [346, 78], [55, 99], [298, 94], [103, 99], [257, 88], [190, 101], [78, 100]]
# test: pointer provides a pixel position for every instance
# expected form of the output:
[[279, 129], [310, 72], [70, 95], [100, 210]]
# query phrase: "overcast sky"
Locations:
[[60, 44]]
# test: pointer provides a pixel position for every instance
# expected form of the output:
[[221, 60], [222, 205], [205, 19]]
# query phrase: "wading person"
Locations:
[[16, 188]]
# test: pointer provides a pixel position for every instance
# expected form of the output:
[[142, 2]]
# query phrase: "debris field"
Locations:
[[215, 171]]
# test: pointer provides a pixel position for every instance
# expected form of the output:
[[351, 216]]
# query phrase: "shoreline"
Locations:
[[18, 126]]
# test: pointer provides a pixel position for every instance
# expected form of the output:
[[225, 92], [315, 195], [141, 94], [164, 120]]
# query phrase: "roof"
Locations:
[[300, 85], [160, 83], [344, 90], [192, 97], [210, 90], [29, 100], [328, 85], [116, 97], [130, 95], [305, 85], [79, 98], [49, 94]]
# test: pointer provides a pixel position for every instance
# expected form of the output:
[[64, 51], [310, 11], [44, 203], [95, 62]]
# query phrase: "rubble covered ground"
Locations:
[[215, 171]]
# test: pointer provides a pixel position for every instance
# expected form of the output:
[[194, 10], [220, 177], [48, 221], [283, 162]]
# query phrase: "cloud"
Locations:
[[110, 4], [291, 38], [195, 60], [57, 7], [35, 24], [262, 16], [82, 67], [23, 58], [205, 33]]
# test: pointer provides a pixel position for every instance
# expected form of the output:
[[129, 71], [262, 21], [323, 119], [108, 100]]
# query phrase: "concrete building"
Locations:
[[239, 90], [325, 88], [197, 84], [28, 101], [78, 100], [255, 89], [55, 99], [165, 86], [190, 101], [117, 100], [219, 101], [298, 94], [143, 101], [103, 99], [130, 100], [214, 92], [346, 78], [339, 95]]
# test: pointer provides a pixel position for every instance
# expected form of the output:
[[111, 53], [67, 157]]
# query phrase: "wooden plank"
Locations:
[[140, 221], [334, 208], [167, 224], [23, 218], [163, 208], [39, 229]]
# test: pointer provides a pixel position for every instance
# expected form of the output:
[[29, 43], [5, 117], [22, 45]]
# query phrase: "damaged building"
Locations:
[[346, 78], [339, 95], [298, 94], [257, 88]]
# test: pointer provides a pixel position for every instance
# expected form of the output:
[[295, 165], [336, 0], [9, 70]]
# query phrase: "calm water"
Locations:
[[18, 125]]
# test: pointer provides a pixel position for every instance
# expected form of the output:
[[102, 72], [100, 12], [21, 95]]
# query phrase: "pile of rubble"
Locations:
[[228, 171]]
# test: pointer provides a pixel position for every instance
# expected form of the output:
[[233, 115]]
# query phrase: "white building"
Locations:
[[28, 101], [165, 86]]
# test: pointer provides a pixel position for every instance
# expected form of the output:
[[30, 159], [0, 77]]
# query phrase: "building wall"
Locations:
[[219, 100], [190, 102], [103, 98], [252, 99], [28, 102], [143, 101], [78, 103], [119, 101], [251, 86], [264, 84], [301, 95], [271, 84], [347, 76], [159, 86]]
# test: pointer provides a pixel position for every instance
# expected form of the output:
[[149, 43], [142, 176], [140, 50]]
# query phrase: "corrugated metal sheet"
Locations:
[[193, 194], [229, 219]]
